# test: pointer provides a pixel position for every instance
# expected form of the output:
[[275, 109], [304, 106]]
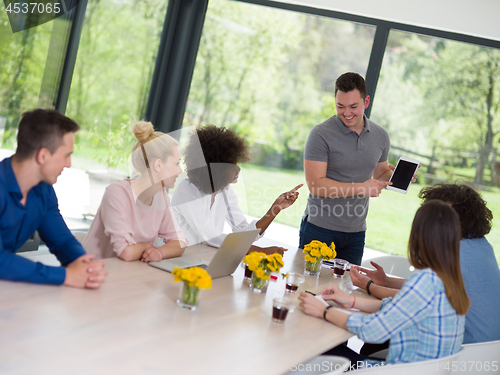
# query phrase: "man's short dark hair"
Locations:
[[475, 218], [351, 81], [42, 128]]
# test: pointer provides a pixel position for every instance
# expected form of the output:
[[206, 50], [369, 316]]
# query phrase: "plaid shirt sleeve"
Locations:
[[409, 306]]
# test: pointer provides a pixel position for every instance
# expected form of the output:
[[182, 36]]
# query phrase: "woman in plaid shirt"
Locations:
[[426, 318]]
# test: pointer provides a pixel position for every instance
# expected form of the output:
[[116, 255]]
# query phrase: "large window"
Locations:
[[269, 74], [23, 57], [439, 101], [110, 86]]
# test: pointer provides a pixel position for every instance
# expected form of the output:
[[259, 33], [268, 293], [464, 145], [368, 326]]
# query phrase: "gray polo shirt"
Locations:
[[350, 158]]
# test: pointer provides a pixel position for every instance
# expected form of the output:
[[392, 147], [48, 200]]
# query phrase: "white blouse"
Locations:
[[201, 223]]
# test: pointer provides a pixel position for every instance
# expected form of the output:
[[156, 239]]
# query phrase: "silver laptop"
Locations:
[[226, 259]]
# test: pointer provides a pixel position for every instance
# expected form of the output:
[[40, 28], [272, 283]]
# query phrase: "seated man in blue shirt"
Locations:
[[28, 202]]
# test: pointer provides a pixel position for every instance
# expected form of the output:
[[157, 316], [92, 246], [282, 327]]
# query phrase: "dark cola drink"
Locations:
[[248, 273], [338, 271], [291, 287], [279, 314]]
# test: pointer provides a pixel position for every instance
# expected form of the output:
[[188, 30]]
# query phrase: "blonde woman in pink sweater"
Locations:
[[136, 211]]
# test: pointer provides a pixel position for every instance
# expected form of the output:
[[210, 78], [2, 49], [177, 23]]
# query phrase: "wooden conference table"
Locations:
[[132, 325]]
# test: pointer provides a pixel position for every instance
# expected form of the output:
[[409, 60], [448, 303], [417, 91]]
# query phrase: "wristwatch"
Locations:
[[368, 287], [324, 312]]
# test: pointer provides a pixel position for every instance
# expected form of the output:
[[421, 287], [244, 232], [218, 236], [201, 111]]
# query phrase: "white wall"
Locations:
[[479, 18]]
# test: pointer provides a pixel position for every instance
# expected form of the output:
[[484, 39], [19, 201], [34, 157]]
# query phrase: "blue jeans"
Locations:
[[349, 246]]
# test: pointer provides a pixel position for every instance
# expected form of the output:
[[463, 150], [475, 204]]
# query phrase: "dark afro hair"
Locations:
[[475, 218], [222, 149]]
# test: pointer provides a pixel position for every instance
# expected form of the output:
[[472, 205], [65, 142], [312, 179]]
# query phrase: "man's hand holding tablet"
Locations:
[[403, 175]]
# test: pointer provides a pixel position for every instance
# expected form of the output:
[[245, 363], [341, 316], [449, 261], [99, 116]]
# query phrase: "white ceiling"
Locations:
[[480, 18]]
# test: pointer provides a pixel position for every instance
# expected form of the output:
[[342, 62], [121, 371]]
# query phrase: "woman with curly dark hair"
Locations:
[[205, 201], [477, 259], [479, 266], [475, 217]]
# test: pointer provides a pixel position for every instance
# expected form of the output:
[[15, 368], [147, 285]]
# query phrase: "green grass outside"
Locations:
[[389, 217]]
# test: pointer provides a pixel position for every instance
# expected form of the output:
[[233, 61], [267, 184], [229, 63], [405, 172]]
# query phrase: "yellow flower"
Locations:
[[253, 265], [204, 282], [275, 261], [318, 249], [262, 264], [279, 260], [326, 252], [176, 272], [334, 253], [248, 258], [190, 276], [329, 252], [253, 260], [194, 276], [260, 273]]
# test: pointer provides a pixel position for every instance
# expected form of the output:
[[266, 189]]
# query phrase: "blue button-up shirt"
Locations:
[[17, 224], [419, 321]]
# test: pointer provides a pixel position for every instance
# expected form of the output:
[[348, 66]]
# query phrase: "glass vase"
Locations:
[[258, 285], [313, 268], [189, 296]]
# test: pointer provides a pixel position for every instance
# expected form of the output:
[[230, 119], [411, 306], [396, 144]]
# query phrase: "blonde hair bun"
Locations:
[[142, 130]]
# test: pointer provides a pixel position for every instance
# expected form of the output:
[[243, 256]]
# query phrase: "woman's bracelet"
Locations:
[[324, 312], [353, 302], [368, 287]]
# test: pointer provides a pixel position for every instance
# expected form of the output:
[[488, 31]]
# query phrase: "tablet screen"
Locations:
[[401, 177]]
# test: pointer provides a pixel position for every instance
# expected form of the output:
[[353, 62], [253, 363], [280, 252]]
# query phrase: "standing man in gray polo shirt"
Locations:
[[345, 163]]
